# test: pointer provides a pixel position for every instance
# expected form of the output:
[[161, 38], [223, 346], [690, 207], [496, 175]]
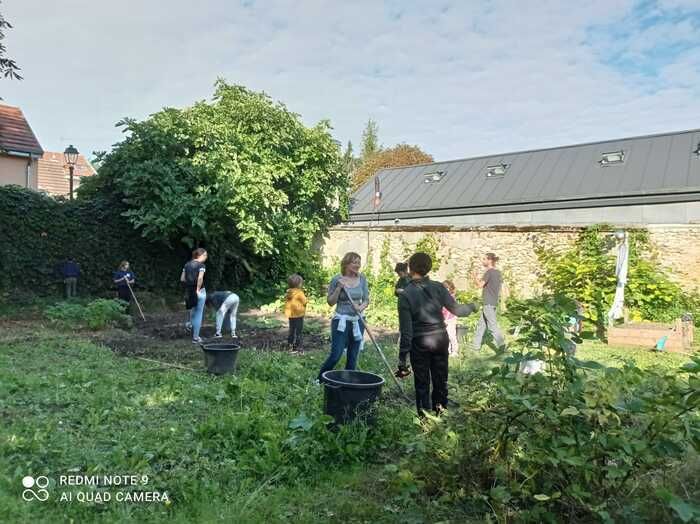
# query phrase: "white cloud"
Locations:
[[456, 78]]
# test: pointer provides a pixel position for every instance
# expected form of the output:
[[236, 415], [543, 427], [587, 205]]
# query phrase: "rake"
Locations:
[[135, 299]]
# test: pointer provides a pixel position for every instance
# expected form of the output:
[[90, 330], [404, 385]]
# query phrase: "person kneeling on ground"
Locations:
[[295, 310], [226, 304], [424, 334]]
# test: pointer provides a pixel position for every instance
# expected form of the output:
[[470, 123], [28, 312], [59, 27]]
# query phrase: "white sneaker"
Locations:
[[217, 335], [197, 340]]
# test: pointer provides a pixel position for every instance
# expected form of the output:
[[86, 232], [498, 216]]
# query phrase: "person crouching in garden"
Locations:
[[347, 329], [295, 309], [424, 334], [226, 304], [195, 293], [123, 277]]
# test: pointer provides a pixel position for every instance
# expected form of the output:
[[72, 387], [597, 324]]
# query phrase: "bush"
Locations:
[[96, 315], [575, 443], [586, 272]]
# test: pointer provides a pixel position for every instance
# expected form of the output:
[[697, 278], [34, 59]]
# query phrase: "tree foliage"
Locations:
[[370, 140], [239, 172], [8, 67], [397, 156]]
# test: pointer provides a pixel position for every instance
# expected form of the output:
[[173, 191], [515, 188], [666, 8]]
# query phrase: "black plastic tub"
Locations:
[[220, 357], [351, 394]]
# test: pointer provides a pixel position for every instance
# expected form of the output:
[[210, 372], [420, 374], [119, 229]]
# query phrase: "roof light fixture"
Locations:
[[614, 157], [497, 170], [431, 178]]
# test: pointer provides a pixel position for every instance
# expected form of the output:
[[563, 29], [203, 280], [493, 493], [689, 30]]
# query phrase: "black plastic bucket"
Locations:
[[220, 357], [350, 394]]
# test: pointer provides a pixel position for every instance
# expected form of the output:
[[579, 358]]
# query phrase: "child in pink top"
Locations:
[[451, 321]]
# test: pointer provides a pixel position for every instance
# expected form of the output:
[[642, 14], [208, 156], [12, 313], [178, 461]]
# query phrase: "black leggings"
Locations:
[[429, 359], [296, 328], [124, 293]]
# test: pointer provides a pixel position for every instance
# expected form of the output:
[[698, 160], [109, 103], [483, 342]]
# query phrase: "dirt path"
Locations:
[[162, 336]]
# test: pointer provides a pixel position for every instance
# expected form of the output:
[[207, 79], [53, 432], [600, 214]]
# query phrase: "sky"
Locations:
[[457, 78]]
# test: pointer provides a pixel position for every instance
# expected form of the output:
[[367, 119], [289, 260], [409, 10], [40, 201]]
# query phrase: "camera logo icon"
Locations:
[[40, 493]]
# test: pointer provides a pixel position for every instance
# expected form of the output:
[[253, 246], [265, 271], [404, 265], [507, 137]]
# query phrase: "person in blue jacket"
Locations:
[[70, 272]]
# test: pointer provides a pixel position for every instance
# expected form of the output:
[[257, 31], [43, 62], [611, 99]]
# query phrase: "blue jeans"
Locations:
[[197, 312], [341, 340]]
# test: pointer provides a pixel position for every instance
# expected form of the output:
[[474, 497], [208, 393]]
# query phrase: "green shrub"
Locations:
[[586, 272], [575, 443], [96, 315]]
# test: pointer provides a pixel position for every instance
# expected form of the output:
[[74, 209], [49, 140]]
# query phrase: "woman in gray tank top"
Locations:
[[347, 330]]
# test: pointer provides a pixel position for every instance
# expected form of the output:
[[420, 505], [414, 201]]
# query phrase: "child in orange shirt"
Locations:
[[295, 309]]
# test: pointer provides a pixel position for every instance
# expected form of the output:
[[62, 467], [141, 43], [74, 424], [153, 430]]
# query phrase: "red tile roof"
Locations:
[[15, 134], [53, 174]]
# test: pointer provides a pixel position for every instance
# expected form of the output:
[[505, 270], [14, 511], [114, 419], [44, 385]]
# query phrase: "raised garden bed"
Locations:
[[648, 334]]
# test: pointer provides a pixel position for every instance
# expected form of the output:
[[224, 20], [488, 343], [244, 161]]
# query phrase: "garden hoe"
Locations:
[[135, 299], [374, 341]]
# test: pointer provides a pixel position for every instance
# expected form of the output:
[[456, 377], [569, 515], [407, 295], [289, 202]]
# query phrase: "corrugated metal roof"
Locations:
[[16, 136], [662, 166]]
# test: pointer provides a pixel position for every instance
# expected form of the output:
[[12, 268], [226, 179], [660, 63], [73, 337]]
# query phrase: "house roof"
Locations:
[[656, 168], [53, 174], [16, 136]]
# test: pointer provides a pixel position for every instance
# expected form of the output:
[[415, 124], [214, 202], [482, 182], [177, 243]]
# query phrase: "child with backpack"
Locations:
[[294, 310]]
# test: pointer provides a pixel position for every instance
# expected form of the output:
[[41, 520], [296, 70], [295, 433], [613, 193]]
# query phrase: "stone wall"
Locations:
[[461, 249]]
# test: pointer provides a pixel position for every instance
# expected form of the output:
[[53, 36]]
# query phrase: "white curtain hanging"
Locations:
[[616, 310]]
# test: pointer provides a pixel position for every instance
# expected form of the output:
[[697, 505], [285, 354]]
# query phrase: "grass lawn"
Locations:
[[248, 447]]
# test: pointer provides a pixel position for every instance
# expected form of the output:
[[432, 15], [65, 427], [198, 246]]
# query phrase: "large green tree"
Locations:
[[239, 173]]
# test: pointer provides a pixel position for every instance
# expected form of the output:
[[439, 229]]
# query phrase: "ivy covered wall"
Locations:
[[38, 232]]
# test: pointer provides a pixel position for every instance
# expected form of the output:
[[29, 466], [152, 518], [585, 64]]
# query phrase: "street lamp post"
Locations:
[[71, 157]]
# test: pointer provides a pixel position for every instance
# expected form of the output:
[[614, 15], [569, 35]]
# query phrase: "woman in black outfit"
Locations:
[[424, 334]]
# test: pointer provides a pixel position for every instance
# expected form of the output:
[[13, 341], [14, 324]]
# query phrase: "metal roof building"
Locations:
[[640, 180]]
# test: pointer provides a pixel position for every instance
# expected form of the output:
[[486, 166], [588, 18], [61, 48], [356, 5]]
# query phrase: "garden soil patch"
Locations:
[[163, 337]]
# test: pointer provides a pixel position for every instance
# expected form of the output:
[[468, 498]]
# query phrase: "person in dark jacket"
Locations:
[[424, 334]]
